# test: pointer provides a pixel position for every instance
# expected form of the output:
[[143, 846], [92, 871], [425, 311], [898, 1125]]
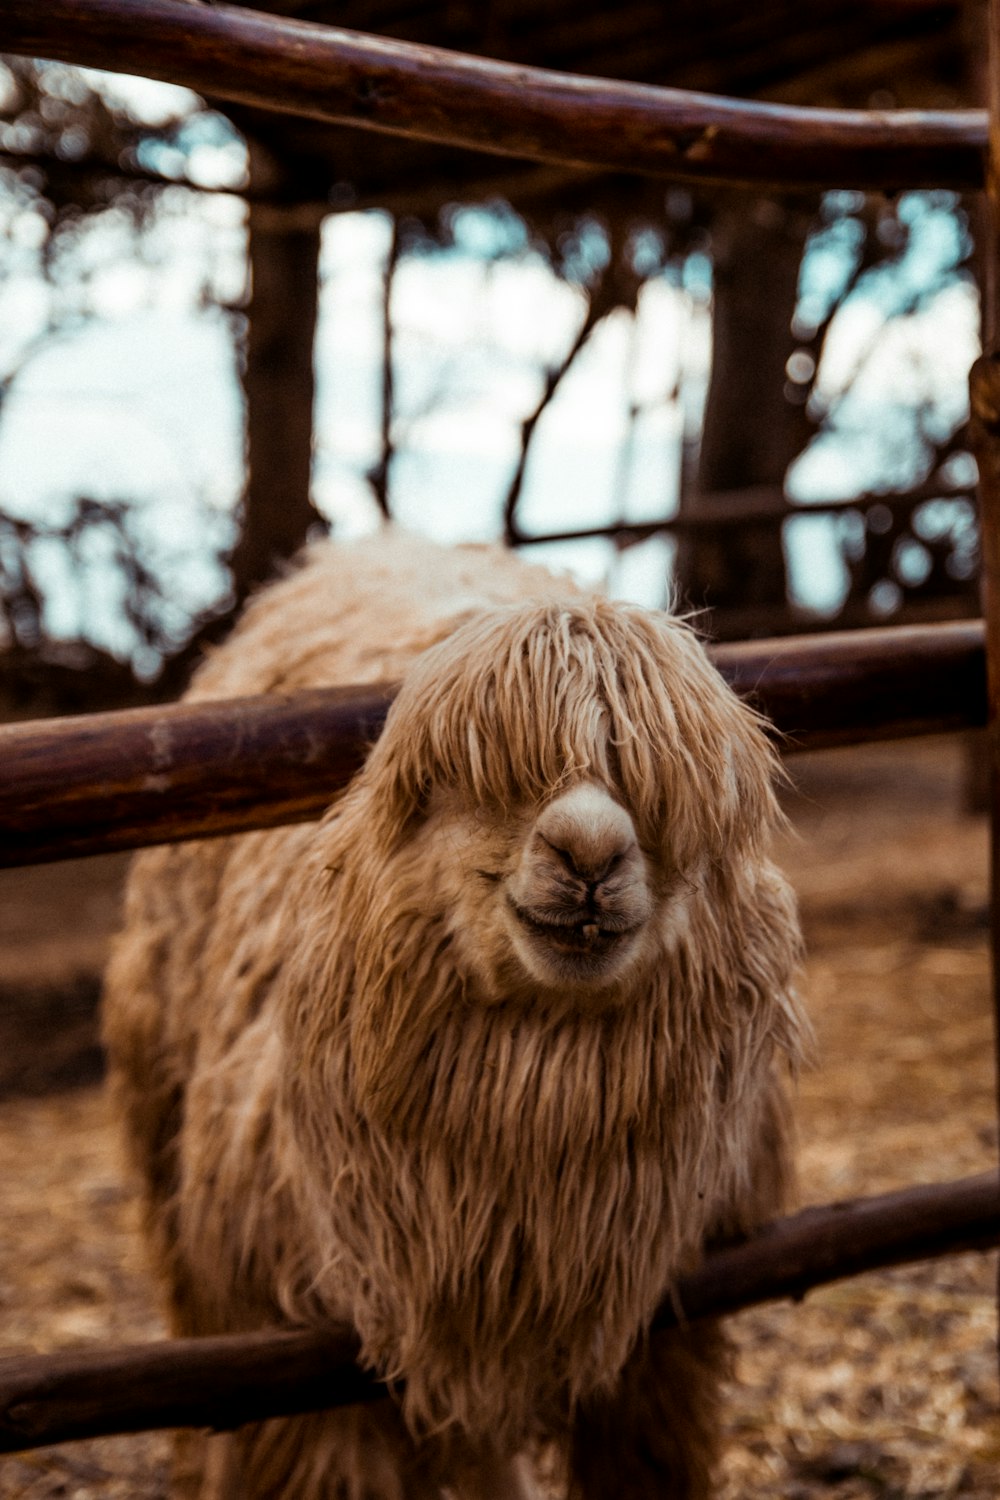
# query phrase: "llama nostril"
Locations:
[[568, 857], [610, 867], [581, 864]]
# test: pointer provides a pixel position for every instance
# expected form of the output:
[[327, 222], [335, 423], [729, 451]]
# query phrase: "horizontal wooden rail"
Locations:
[[855, 686], [108, 781], [819, 1245], [757, 505], [205, 1382], [99, 782], [226, 1381], [346, 78]]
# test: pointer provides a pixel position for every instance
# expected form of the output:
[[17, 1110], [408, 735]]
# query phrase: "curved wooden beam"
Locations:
[[99, 782], [223, 1382], [347, 78]]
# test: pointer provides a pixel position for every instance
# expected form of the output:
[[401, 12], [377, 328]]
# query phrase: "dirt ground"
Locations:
[[881, 1387]]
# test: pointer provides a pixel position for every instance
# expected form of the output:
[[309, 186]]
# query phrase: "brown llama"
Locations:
[[482, 1059]]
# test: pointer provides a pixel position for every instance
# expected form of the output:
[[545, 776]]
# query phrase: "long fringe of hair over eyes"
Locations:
[[520, 702]]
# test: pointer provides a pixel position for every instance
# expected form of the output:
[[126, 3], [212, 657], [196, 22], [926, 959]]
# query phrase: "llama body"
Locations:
[[478, 1062]]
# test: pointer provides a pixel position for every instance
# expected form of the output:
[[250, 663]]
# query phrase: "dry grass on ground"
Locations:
[[885, 1386], [877, 1389]]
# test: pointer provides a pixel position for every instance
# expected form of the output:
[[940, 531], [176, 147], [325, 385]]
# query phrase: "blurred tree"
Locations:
[[78, 160], [751, 431], [284, 229], [82, 177]]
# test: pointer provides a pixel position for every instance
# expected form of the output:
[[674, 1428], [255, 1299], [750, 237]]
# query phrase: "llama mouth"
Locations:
[[583, 934]]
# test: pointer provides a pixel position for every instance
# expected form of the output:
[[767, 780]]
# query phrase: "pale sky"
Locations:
[[142, 401]]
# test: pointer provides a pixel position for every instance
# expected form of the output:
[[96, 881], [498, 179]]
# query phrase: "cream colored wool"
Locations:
[[479, 1061]]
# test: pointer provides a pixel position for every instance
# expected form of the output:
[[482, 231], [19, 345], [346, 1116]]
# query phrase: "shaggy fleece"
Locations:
[[481, 1060]]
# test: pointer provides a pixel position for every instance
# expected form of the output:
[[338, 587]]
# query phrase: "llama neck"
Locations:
[[502, 1193], [541, 1186]]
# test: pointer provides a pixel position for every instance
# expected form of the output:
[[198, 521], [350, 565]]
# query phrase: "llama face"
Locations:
[[558, 899], [577, 903], [554, 782]]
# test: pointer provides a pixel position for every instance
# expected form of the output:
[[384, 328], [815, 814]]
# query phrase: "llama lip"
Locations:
[[580, 934]]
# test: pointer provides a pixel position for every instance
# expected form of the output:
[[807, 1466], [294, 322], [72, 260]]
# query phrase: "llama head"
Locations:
[[550, 781]]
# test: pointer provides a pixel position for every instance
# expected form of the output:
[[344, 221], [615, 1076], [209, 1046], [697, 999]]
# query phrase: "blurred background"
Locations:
[[222, 332]]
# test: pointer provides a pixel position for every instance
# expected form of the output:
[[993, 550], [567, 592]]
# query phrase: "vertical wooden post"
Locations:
[[751, 432], [278, 383], [984, 384]]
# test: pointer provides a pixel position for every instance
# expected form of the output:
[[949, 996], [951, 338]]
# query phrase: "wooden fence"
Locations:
[[114, 781]]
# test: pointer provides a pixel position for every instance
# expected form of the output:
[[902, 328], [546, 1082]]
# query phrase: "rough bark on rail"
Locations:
[[223, 1382], [100, 782], [347, 78]]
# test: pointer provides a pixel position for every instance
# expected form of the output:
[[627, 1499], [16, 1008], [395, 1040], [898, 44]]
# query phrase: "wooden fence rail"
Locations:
[[225, 1381], [346, 78], [118, 780]]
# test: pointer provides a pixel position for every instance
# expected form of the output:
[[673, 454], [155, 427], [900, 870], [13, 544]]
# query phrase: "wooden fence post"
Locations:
[[985, 423], [278, 383]]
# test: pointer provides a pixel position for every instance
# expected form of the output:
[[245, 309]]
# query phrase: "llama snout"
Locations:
[[579, 898]]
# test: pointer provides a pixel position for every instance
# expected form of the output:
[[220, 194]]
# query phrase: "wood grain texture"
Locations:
[[348, 78], [984, 425], [100, 782]]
